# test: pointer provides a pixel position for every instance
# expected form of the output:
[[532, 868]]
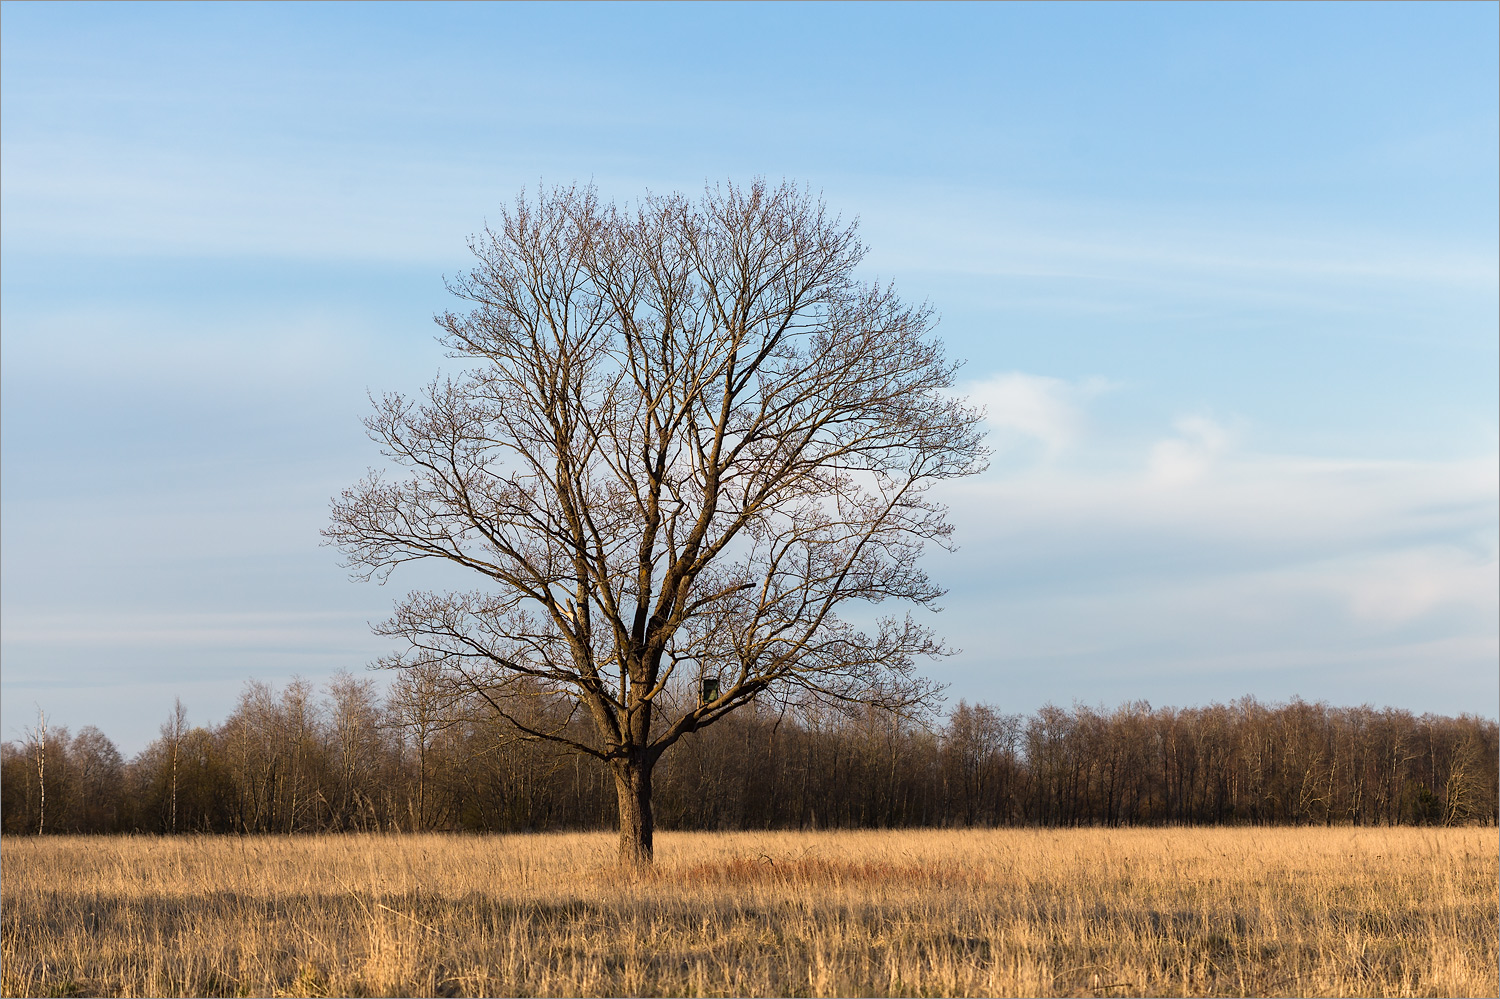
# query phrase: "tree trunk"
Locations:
[[633, 787]]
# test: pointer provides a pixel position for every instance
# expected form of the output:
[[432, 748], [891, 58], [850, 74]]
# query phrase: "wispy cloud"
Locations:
[[983, 233], [1186, 557], [1216, 571], [1398, 587], [206, 631], [1186, 457], [1020, 406]]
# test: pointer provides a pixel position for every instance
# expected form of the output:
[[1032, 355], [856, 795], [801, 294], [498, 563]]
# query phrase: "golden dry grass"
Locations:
[[1341, 911]]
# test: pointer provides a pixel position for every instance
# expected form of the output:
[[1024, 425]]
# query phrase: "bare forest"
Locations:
[[347, 758]]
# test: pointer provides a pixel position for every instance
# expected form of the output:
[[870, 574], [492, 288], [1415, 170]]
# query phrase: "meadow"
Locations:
[[1209, 911]]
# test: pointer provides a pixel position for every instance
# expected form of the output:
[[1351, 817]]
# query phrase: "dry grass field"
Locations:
[[1342, 911]]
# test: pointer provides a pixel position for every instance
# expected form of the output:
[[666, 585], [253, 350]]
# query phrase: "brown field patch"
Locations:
[[1340, 911], [818, 872]]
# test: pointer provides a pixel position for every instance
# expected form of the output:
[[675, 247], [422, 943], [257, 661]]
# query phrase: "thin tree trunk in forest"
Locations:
[[41, 771], [173, 731], [422, 783]]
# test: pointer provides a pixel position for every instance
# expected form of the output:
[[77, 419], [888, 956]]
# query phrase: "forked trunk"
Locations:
[[633, 786]]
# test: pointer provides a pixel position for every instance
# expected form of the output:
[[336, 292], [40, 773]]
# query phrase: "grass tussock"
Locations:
[[1342, 911]]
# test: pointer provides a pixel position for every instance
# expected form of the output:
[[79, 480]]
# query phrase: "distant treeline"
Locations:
[[349, 759]]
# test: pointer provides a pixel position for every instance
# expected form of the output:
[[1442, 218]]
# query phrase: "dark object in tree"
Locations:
[[709, 692], [685, 439]]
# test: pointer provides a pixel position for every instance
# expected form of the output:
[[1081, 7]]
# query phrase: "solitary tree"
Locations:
[[684, 439]]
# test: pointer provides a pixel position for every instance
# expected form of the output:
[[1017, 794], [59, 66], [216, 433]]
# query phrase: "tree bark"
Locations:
[[633, 788]]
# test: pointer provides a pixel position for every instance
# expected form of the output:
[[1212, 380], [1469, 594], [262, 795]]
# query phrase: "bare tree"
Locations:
[[99, 771], [38, 738], [685, 438], [421, 703], [172, 732], [354, 726]]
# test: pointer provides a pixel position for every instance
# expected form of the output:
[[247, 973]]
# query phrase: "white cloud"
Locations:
[[1397, 587], [1183, 459], [977, 231], [1219, 572], [1269, 507], [223, 632], [1035, 407]]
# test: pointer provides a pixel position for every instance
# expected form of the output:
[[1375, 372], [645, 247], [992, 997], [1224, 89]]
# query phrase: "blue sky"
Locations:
[[1225, 276]]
